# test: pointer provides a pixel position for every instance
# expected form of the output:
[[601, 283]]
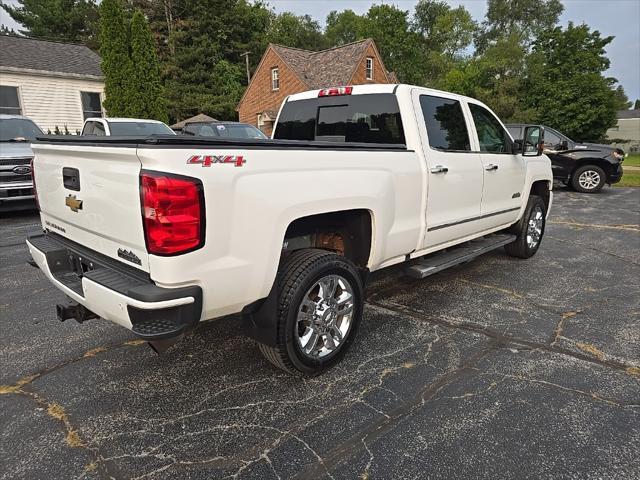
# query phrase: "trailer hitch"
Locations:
[[76, 311]]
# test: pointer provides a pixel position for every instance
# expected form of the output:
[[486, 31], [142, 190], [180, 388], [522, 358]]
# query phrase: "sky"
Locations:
[[619, 18]]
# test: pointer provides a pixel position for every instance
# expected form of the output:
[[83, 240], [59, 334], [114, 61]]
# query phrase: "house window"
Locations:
[[91, 104], [9, 101], [275, 79], [369, 68]]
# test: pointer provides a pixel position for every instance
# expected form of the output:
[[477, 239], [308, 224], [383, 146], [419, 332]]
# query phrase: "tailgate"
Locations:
[[91, 195]]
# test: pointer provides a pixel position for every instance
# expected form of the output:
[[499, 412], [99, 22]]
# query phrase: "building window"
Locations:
[[91, 104], [369, 68], [9, 101], [275, 79]]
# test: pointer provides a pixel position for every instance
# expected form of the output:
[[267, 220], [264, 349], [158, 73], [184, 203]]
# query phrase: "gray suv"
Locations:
[[16, 184]]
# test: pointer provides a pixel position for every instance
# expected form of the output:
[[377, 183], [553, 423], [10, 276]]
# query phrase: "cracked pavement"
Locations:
[[495, 368]]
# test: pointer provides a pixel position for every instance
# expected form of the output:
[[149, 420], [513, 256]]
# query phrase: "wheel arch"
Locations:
[[346, 232], [542, 188], [605, 165], [355, 227]]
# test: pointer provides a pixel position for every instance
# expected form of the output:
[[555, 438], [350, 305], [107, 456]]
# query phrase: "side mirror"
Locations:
[[533, 142]]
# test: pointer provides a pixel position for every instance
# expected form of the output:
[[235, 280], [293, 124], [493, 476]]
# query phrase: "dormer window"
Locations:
[[275, 79], [369, 68]]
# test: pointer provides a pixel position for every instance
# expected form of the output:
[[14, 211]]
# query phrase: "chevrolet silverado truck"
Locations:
[[160, 233], [16, 186]]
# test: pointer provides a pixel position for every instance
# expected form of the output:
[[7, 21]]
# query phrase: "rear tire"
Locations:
[[320, 303], [588, 179], [529, 230]]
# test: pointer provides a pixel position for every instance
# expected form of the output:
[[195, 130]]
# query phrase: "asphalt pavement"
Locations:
[[499, 368]]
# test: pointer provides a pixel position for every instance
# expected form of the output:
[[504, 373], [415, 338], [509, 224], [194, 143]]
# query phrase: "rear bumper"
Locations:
[[114, 291]]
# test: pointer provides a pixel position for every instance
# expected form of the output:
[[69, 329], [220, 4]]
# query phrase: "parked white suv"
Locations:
[[124, 127], [184, 229]]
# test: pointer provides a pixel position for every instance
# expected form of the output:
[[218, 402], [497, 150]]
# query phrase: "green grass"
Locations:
[[633, 160], [629, 179]]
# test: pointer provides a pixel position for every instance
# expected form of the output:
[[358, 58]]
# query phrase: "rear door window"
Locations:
[[446, 126], [372, 118]]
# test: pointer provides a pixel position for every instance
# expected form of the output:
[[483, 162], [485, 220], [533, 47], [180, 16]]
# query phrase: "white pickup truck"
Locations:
[[160, 233]]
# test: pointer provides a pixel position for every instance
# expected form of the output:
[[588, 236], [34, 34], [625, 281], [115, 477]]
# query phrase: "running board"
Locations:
[[436, 262]]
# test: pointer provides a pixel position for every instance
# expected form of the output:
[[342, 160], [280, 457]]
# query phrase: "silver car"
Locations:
[[16, 184]]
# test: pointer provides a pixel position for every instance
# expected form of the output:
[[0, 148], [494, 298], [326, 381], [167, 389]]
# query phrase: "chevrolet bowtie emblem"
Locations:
[[73, 203]]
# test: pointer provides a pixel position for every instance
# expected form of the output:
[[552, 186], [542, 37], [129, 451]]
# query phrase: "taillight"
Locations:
[[33, 180], [335, 91], [172, 212]]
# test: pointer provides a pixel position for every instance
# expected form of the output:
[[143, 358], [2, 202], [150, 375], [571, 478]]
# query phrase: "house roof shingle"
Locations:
[[333, 66], [626, 114], [201, 117], [45, 55]]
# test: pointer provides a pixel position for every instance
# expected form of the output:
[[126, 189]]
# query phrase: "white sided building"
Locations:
[[53, 83]]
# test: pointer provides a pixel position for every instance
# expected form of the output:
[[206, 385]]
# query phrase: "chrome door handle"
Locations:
[[491, 167], [439, 169]]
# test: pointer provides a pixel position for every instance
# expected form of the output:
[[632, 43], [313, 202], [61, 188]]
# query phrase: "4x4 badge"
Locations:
[[73, 203]]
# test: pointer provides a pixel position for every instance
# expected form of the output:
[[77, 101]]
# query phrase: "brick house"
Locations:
[[283, 71]]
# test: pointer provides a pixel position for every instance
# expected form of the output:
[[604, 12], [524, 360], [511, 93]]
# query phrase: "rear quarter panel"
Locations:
[[249, 208]]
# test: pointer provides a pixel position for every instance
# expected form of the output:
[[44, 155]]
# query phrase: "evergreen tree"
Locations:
[[64, 20], [116, 63], [146, 93]]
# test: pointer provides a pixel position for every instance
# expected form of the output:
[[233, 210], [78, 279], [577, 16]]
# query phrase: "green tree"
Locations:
[[446, 33], [636, 105], [200, 46], [65, 20], [566, 86], [526, 18], [296, 31], [146, 91], [495, 78], [116, 63], [343, 27], [622, 100], [400, 46]]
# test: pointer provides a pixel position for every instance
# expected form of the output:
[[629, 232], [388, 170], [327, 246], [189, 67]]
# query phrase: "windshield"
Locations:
[[561, 135], [225, 130], [139, 128], [17, 129]]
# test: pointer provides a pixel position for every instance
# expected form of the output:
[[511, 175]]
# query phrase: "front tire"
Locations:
[[529, 230], [320, 303], [588, 179]]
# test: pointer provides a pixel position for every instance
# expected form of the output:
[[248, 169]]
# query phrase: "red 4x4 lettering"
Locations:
[[207, 160]]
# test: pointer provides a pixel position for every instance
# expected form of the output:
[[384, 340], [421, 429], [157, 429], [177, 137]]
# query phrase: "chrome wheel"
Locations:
[[589, 179], [325, 316], [535, 226]]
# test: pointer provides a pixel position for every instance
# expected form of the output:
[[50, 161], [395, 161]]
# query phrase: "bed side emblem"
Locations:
[[73, 203]]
